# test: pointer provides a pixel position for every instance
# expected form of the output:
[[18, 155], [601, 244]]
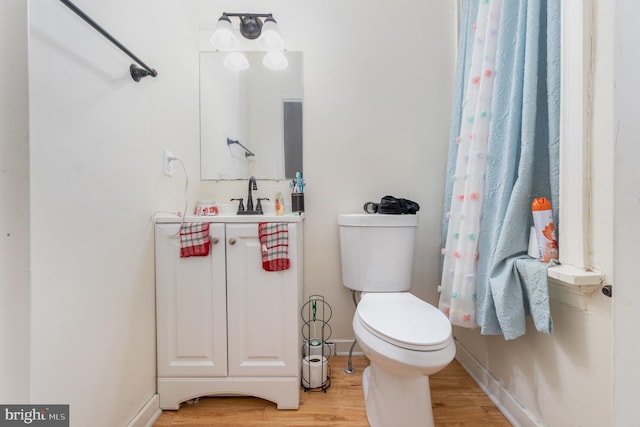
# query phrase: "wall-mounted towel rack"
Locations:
[[248, 153], [137, 73]]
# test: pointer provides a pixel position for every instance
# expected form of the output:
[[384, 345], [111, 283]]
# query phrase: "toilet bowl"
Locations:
[[403, 334], [405, 339]]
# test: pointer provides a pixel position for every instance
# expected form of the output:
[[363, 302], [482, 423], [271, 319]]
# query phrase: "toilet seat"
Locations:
[[404, 320]]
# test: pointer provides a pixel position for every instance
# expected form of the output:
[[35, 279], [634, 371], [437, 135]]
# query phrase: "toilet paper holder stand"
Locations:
[[315, 352]]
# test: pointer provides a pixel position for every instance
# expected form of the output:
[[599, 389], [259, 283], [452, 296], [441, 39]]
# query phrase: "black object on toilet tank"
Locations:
[[392, 205]]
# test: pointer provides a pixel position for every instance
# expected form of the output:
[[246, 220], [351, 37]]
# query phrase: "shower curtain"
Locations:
[[503, 153]]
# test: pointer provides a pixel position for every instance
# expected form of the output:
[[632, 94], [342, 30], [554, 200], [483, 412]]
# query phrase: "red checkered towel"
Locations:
[[194, 239], [274, 244]]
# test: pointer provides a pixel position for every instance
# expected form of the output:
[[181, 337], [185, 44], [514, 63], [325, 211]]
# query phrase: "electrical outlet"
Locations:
[[167, 163]]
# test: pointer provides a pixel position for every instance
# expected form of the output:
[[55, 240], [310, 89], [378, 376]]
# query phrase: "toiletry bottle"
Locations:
[[279, 203], [545, 229]]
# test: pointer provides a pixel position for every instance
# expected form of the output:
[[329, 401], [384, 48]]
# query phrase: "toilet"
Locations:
[[405, 339]]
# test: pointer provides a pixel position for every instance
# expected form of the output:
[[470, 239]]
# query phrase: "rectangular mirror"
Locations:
[[250, 120]]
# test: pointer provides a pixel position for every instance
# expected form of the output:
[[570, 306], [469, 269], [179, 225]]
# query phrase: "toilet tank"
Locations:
[[377, 251]]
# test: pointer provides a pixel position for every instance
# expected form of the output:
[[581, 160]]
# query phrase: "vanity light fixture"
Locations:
[[252, 28]]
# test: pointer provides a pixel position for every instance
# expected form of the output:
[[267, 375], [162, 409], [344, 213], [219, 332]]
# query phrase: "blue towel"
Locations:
[[522, 163], [532, 275]]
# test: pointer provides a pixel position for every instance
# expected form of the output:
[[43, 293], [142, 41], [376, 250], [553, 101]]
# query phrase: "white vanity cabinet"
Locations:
[[191, 304], [225, 325]]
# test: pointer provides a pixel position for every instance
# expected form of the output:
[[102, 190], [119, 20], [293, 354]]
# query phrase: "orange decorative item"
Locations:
[[545, 229]]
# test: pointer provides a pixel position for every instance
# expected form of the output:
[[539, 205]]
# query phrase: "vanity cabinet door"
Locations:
[[262, 308], [191, 306]]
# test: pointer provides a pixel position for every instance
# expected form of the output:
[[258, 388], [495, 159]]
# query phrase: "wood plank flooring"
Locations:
[[457, 401]]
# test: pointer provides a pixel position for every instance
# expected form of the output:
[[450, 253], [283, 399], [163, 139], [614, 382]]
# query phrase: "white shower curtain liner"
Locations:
[[458, 289]]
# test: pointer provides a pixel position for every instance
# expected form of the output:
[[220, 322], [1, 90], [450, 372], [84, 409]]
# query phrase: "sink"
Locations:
[[227, 209]]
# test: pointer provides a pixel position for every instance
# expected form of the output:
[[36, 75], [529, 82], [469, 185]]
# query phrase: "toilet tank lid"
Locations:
[[405, 320], [377, 220]]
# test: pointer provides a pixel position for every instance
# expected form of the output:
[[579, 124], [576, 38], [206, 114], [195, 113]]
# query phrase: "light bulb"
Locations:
[[223, 37], [270, 38], [236, 61], [275, 60]]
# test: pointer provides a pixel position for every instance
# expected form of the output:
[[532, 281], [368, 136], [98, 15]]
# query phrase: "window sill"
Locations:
[[572, 285]]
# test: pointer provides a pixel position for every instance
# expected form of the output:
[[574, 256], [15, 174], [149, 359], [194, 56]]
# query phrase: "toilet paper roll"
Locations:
[[533, 250], [314, 371], [315, 347]]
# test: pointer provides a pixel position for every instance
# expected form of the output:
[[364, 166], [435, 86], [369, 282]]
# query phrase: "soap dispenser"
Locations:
[[279, 202]]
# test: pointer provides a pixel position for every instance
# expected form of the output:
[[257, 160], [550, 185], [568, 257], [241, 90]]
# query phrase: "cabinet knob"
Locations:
[[232, 241], [215, 240]]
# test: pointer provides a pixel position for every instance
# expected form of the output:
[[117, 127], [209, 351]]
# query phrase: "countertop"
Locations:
[[174, 219]]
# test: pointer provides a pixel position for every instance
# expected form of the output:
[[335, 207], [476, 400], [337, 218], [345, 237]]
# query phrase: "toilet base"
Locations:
[[391, 400]]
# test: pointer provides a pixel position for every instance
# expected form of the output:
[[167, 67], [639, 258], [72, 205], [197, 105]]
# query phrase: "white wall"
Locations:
[[627, 211], [14, 204], [96, 140]]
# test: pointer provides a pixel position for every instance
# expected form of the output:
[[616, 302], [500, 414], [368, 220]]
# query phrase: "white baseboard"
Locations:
[[148, 414], [511, 408], [344, 345]]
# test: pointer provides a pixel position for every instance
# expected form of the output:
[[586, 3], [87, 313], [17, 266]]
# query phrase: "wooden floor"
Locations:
[[457, 401]]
